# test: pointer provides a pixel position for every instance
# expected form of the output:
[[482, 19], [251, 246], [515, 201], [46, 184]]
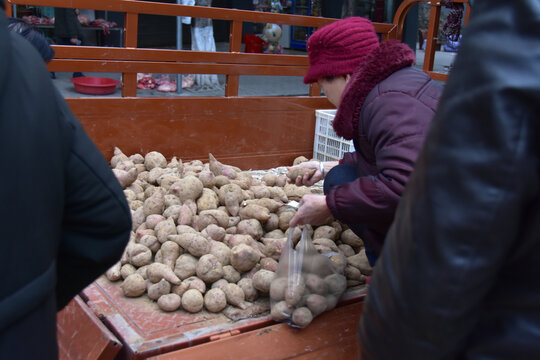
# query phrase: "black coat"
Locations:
[[459, 272], [66, 24], [63, 215]]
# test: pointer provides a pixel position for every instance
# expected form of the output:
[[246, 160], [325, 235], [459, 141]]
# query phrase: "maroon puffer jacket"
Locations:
[[386, 109]]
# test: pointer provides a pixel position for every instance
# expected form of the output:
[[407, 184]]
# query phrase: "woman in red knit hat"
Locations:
[[385, 105]]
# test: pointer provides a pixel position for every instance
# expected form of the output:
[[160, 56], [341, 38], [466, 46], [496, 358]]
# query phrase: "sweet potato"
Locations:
[[250, 227], [262, 280], [133, 286], [244, 258], [189, 187], [281, 311], [272, 223], [231, 274], [302, 317], [172, 211], [230, 195], [113, 274], [155, 291], [125, 178], [215, 232], [165, 228], [296, 171], [208, 200], [169, 302], [158, 271], [254, 211], [153, 219], [360, 261], [234, 294], [325, 231], [118, 156], [207, 178], [185, 266], [192, 301], [209, 269], [139, 255], [154, 159], [168, 253], [217, 168], [126, 270], [316, 303], [196, 244], [218, 217], [278, 287], [221, 251], [250, 293], [215, 300], [337, 284], [350, 238], [269, 179], [195, 283], [154, 204]]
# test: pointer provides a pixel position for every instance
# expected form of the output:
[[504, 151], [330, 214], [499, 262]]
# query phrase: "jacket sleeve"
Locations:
[[97, 219], [459, 218], [396, 139]]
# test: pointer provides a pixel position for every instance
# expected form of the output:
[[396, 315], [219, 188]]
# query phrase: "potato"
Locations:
[[133, 286], [209, 269], [155, 291], [185, 266], [302, 317], [215, 300], [244, 258], [316, 303], [169, 302], [235, 295], [262, 280], [250, 293], [281, 311], [192, 301]]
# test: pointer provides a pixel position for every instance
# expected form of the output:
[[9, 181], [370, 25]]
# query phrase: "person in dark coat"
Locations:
[[64, 217], [68, 29], [458, 275], [385, 105]]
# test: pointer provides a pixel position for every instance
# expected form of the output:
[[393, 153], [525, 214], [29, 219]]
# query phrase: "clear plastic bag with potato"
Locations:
[[305, 284]]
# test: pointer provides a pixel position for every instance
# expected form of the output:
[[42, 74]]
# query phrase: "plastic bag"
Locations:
[[305, 284]]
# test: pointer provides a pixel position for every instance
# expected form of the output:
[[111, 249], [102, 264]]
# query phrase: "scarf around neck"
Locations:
[[388, 58]]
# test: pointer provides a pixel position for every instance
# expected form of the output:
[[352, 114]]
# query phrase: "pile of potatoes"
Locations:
[[209, 235]]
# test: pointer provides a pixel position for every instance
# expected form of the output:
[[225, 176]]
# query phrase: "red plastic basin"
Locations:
[[95, 85]]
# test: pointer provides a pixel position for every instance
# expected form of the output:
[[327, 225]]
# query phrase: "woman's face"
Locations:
[[333, 87]]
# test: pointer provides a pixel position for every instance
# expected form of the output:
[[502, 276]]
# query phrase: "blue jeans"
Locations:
[[342, 174]]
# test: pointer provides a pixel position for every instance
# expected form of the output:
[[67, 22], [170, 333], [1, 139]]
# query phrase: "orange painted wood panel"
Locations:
[[331, 335], [248, 132], [81, 335]]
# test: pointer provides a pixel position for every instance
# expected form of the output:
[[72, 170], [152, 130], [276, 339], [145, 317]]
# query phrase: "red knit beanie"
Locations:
[[339, 48]]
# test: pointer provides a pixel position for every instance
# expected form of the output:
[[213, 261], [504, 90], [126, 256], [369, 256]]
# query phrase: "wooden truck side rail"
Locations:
[[249, 132]]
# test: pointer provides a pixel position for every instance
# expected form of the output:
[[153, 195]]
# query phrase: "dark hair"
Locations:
[[452, 27]]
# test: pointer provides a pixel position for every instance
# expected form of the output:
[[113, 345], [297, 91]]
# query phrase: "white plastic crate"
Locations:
[[327, 145]]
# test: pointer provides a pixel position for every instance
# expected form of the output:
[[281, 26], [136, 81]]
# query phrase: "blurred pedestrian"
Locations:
[[458, 275], [68, 29], [64, 217]]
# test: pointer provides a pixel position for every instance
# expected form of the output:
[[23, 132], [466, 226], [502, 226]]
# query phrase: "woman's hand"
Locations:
[[313, 210], [306, 179]]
